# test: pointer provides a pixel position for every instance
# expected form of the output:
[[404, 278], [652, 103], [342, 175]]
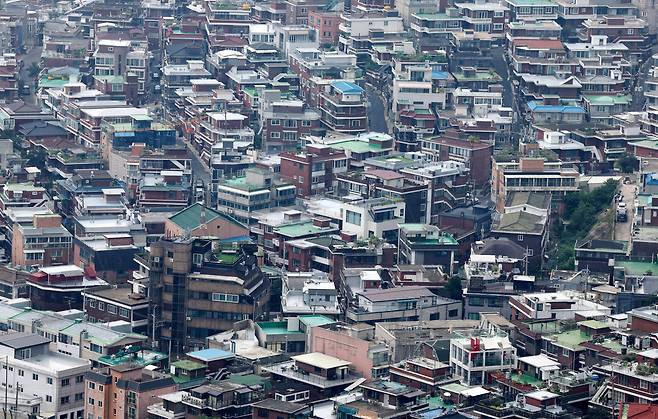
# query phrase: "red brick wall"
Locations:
[[291, 170], [643, 325]]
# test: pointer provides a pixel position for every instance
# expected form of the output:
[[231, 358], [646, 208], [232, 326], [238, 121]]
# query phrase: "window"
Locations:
[[66, 382], [353, 217], [80, 379], [64, 400], [497, 26], [35, 377], [453, 313], [49, 398], [275, 122], [306, 123], [301, 179], [101, 306], [565, 352], [530, 252], [519, 237], [21, 373], [91, 401], [92, 303], [79, 396], [123, 312], [275, 135], [112, 309], [100, 387], [49, 380], [100, 403]]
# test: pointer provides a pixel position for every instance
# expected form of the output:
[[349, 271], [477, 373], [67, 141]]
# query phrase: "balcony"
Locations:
[[289, 370]]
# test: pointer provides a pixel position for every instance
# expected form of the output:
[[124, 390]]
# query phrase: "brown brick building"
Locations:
[[313, 171]]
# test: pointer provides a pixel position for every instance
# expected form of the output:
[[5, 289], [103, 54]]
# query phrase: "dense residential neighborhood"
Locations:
[[318, 209]]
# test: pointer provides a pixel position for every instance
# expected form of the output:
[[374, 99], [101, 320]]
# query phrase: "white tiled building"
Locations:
[[49, 384]]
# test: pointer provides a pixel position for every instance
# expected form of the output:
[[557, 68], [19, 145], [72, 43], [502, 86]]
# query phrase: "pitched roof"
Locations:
[[533, 199], [538, 43], [23, 340], [42, 129], [376, 295], [520, 221], [500, 247], [190, 217]]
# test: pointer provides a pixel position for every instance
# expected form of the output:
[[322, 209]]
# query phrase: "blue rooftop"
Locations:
[[440, 75], [540, 107], [236, 239], [346, 87], [209, 355]]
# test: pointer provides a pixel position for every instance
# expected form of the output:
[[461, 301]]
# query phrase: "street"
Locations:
[[637, 86], [31, 57], [199, 169], [376, 114], [623, 229]]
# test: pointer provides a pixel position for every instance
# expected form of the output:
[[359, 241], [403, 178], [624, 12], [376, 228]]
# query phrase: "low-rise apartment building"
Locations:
[[406, 303], [342, 107], [43, 383], [313, 172], [258, 189], [532, 174], [473, 358]]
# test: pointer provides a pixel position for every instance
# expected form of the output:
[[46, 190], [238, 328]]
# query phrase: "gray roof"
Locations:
[[402, 293], [540, 200], [520, 222], [500, 247], [23, 340], [279, 406]]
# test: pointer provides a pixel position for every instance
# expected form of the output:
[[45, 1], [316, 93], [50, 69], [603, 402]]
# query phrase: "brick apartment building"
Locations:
[[476, 155], [326, 25], [313, 171], [43, 242]]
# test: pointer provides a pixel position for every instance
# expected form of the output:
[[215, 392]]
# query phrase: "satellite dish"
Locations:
[[447, 394]]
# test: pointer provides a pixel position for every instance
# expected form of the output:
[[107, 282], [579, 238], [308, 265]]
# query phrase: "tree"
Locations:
[[627, 163], [33, 71], [454, 288]]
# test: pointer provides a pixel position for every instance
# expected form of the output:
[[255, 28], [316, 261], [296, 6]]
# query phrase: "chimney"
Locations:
[[321, 222], [136, 149]]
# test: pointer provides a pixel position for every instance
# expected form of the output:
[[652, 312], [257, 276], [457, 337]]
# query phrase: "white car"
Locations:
[[621, 205]]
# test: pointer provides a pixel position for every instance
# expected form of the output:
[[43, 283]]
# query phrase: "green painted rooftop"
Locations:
[[50, 83], [357, 146], [276, 328], [435, 16], [593, 324], [394, 159], [227, 258], [305, 228], [241, 183], [111, 79], [571, 339], [190, 217], [652, 144], [635, 268], [315, 320], [188, 365], [479, 75], [603, 100], [525, 379]]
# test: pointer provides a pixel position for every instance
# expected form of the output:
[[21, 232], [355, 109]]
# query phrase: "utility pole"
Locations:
[[6, 381], [18, 388]]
